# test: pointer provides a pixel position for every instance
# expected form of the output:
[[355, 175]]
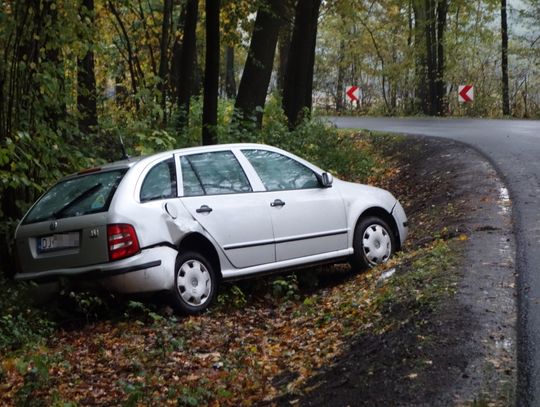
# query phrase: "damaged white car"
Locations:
[[183, 220]]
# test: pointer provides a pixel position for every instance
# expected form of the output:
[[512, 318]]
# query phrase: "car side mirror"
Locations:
[[326, 179]]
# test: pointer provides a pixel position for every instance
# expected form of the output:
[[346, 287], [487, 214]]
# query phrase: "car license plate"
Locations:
[[57, 242]]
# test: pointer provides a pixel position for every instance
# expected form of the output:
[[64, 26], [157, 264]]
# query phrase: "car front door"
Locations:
[[307, 218], [218, 194]]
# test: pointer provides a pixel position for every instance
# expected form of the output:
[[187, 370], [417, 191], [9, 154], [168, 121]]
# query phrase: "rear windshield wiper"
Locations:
[[77, 199]]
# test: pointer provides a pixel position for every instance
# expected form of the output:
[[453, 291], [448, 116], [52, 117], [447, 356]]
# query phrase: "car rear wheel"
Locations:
[[195, 283], [373, 243]]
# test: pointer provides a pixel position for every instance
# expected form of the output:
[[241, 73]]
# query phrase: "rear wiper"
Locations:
[[77, 199]]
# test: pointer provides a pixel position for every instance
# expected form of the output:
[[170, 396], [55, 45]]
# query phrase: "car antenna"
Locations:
[[124, 154]]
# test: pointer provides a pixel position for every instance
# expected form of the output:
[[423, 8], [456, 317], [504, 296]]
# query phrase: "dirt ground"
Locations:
[[463, 353]]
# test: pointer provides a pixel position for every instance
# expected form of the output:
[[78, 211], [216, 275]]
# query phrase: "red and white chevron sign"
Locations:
[[353, 93], [465, 93]]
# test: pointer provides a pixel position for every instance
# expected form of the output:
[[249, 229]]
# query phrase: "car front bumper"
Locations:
[[401, 221], [150, 270]]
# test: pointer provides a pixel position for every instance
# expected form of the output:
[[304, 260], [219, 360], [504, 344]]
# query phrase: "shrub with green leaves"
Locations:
[[314, 139], [20, 323]]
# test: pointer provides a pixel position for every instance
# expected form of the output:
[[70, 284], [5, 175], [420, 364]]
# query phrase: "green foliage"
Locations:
[[136, 309], [20, 323], [424, 286], [194, 396], [87, 303], [314, 139], [286, 288], [232, 296], [35, 372], [153, 141]]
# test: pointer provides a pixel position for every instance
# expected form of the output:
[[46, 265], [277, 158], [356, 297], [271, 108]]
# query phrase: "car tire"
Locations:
[[195, 283], [373, 244]]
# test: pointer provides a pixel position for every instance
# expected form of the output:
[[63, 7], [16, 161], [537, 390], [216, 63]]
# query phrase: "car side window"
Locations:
[[160, 182], [191, 183], [278, 172], [213, 174]]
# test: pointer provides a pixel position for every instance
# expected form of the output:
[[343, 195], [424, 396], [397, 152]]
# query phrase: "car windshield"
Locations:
[[78, 196]]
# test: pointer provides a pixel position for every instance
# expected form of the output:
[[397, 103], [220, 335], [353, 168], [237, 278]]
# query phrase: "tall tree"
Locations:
[[504, 59], [86, 77], [430, 26], [258, 68], [340, 87], [230, 82], [297, 92], [130, 57], [211, 73], [284, 42], [186, 68], [163, 72]]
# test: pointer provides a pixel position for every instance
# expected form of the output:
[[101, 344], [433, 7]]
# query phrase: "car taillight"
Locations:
[[122, 241]]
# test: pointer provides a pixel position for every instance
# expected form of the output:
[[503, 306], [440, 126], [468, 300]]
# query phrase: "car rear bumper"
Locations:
[[150, 270]]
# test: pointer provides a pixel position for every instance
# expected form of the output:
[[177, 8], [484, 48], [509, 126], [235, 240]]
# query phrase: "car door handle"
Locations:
[[204, 209], [277, 202]]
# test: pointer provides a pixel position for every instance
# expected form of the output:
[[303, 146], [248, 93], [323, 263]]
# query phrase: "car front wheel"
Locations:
[[195, 283], [373, 243]]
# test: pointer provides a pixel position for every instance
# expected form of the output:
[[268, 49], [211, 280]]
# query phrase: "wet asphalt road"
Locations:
[[513, 147]]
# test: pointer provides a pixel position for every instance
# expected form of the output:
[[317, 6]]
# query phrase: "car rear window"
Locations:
[[91, 193]]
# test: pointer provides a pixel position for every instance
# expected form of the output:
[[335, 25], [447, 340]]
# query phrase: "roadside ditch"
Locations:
[[462, 350]]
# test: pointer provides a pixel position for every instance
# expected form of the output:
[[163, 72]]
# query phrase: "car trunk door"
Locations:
[[63, 243], [67, 227]]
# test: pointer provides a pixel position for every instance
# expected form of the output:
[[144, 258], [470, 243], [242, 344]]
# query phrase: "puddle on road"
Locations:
[[504, 247], [505, 344], [504, 201]]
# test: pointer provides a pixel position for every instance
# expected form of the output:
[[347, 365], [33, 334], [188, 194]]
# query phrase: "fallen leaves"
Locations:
[[223, 357]]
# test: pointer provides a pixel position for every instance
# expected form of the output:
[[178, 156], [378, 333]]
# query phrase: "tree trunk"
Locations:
[[211, 74], [284, 43], [86, 79], [129, 48], [420, 56], [299, 74], [340, 86], [431, 55], [504, 60], [440, 86], [164, 57], [258, 69], [186, 67], [430, 26], [230, 82]]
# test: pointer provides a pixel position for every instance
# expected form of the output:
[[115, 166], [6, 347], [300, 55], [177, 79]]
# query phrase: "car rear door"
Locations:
[[217, 193], [307, 219]]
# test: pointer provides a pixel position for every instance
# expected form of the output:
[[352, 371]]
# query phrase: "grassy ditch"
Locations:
[[264, 340]]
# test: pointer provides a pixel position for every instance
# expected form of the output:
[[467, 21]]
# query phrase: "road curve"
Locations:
[[513, 146]]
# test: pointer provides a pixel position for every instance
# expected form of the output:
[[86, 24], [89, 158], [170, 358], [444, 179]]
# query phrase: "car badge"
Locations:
[[53, 225]]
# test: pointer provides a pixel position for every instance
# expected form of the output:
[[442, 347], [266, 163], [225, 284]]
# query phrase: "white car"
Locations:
[[180, 221]]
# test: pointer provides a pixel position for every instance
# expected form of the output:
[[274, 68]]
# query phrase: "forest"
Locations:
[[80, 77]]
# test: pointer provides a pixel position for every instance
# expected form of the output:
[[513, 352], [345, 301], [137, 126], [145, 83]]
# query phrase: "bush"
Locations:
[[314, 139], [20, 323]]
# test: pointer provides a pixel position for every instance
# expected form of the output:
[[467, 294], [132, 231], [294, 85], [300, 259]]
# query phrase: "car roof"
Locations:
[[131, 161], [204, 149]]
